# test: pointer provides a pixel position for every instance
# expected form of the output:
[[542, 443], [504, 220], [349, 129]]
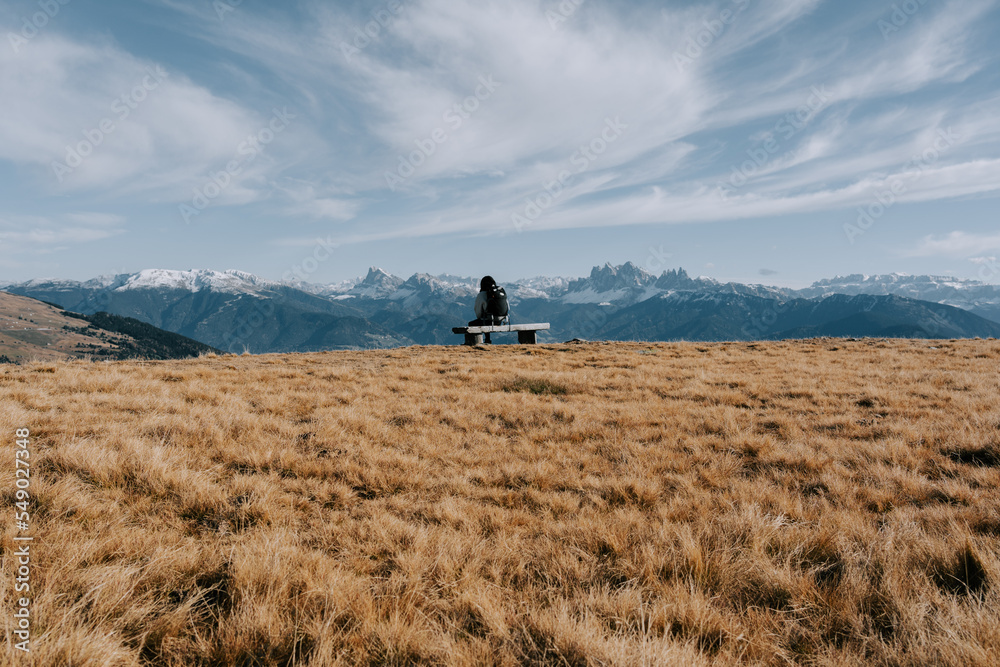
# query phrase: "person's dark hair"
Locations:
[[486, 283]]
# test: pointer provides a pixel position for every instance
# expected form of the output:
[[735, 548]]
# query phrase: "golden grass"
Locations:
[[818, 502]]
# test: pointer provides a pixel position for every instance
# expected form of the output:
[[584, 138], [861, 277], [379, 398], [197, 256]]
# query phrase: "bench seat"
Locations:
[[525, 332]]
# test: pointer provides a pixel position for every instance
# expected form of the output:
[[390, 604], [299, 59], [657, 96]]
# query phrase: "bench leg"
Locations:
[[473, 339], [526, 337]]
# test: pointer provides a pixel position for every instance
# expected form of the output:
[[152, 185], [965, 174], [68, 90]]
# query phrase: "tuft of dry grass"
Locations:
[[816, 502]]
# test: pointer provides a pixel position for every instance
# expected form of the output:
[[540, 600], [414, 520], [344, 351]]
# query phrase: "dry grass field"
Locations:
[[823, 502]]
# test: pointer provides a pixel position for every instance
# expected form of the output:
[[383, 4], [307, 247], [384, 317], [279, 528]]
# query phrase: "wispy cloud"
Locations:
[[957, 244], [358, 115], [37, 235], [90, 117], [436, 51]]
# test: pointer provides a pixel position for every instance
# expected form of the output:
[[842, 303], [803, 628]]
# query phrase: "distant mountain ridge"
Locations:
[[972, 295], [236, 311], [230, 310]]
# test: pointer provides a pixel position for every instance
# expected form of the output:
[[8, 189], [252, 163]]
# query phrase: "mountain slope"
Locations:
[[32, 329], [731, 316]]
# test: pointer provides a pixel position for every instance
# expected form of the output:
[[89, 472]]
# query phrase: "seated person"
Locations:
[[491, 305]]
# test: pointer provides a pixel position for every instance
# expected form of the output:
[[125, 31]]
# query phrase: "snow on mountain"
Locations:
[[612, 284], [378, 284], [620, 286], [332, 290], [47, 283], [679, 280], [893, 281], [196, 280], [592, 295], [107, 281], [948, 290], [610, 278], [419, 288], [628, 284], [545, 282], [459, 281]]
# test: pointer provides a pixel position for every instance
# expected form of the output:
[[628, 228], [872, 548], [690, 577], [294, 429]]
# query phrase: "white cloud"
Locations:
[[30, 235], [957, 244], [556, 88], [135, 125]]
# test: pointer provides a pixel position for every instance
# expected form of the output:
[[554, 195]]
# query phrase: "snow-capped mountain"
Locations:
[[972, 295], [233, 310], [927, 288], [629, 284], [625, 284], [376, 285], [539, 287], [421, 288], [227, 282], [195, 280]]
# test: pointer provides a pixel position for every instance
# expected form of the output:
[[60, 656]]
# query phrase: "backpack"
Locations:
[[496, 302]]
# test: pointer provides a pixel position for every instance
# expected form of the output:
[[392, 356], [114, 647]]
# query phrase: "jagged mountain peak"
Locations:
[[608, 278], [425, 282], [678, 279], [377, 276], [422, 279], [376, 284], [626, 271]]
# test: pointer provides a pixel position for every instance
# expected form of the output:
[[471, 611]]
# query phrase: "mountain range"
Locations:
[[237, 311]]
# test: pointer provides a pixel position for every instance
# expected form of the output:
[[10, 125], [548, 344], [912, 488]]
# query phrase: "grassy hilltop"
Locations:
[[818, 502]]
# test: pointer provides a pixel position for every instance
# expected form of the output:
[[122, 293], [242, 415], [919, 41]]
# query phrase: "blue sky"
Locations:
[[775, 141]]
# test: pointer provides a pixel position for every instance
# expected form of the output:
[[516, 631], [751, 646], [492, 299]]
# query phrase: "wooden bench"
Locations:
[[525, 332]]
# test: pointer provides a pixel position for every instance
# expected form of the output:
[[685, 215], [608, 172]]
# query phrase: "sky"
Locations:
[[762, 141]]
